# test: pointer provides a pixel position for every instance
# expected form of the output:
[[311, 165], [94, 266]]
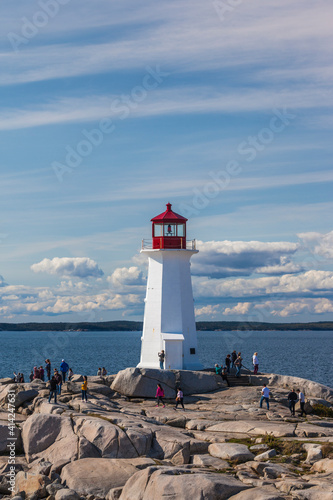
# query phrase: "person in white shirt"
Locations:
[[265, 396], [255, 362], [301, 398]]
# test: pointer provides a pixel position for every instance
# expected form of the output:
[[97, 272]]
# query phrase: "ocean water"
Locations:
[[307, 354]]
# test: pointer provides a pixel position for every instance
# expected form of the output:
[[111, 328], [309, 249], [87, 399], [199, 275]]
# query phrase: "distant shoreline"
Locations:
[[126, 326]]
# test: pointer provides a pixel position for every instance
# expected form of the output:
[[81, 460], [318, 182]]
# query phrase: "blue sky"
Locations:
[[111, 109]]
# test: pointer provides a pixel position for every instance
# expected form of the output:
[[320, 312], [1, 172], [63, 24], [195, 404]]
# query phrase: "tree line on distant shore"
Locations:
[[126, 326]]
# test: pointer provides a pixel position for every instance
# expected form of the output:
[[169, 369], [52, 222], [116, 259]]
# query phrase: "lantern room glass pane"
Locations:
[[169, 230], [181, 230], [158, 229]]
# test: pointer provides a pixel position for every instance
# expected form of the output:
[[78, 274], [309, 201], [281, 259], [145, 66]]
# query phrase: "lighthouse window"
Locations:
[[181, 230], [158, 230], [169, 230]]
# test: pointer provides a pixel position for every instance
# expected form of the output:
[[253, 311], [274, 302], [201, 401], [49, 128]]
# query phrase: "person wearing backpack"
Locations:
[[179, 399], [292, 398]]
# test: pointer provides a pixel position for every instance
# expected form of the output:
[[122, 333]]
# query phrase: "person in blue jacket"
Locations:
[[64, 369]]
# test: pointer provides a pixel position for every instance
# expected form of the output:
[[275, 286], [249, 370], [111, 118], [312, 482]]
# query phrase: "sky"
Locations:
[[109, 110]]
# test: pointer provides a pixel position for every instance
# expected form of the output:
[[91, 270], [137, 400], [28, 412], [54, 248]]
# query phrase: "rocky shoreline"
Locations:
[[119, 445]]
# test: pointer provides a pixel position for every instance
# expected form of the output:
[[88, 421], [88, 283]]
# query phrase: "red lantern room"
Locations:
[[169, 230]]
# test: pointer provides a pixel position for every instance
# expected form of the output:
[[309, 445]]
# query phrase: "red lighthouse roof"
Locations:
[[169, 216]]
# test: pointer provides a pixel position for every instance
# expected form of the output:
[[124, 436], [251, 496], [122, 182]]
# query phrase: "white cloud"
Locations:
[[82, 267], [126, 276], [322, 244], [210, 311], [219, 259], [239, 309], [310, 282]]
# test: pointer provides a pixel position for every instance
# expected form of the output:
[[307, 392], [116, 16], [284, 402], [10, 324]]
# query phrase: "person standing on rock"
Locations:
[[255, 362], [228, 363], [31, 376], [70, 374], [64, 369], [233, 358], [160, 395], [48, 368], [99, 372], [238, 364], [41, 373], [58, 379], [84, 388], [53, 390], [179, 399], [161, 357], [224, 375], [301, 398], [292, 398], [265, 396]]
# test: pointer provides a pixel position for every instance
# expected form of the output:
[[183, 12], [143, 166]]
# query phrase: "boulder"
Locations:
[[310, 430], [314, 452], [96, 476], [142, 382], [314, 493], [6, 381], [17, 394], [66, 494], [209, 461], [159, 483], [31, 483], [324, 465], [254, 428], [168, 443], [109, 439], [230, 451], [266, 455], [93, 388], [53, 433], [262, 493]]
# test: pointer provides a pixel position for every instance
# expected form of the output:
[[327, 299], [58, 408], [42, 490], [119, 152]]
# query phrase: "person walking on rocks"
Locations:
[[48, 368], [84, 388], [53, 390], [255, 362], [64, 369], [179, 399], [160, 395], [265, 396], [161, 357], [238, 364], [301, 398], [292, 398]]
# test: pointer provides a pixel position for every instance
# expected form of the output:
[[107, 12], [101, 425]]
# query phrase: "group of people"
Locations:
[[160, 395], [40, 372], [235, 360], [293, 397], [101, 372]]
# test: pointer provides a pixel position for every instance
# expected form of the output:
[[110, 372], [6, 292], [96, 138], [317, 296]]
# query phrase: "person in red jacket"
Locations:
[[160, 395]]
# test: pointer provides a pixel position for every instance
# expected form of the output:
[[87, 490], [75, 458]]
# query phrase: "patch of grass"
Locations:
[[97, 415], [327, 450], [246, 441], [322, 410], [283, 447]]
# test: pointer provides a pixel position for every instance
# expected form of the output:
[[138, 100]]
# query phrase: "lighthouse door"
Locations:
[[173, 348]]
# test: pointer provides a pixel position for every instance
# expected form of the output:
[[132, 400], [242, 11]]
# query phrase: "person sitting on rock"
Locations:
[[160, 395], [104, 372], [53, 390], [70, 374], [218, 370], [99, 372], [292, 398]]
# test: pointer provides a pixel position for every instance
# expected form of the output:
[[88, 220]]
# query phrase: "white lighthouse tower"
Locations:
[[169, 321]]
